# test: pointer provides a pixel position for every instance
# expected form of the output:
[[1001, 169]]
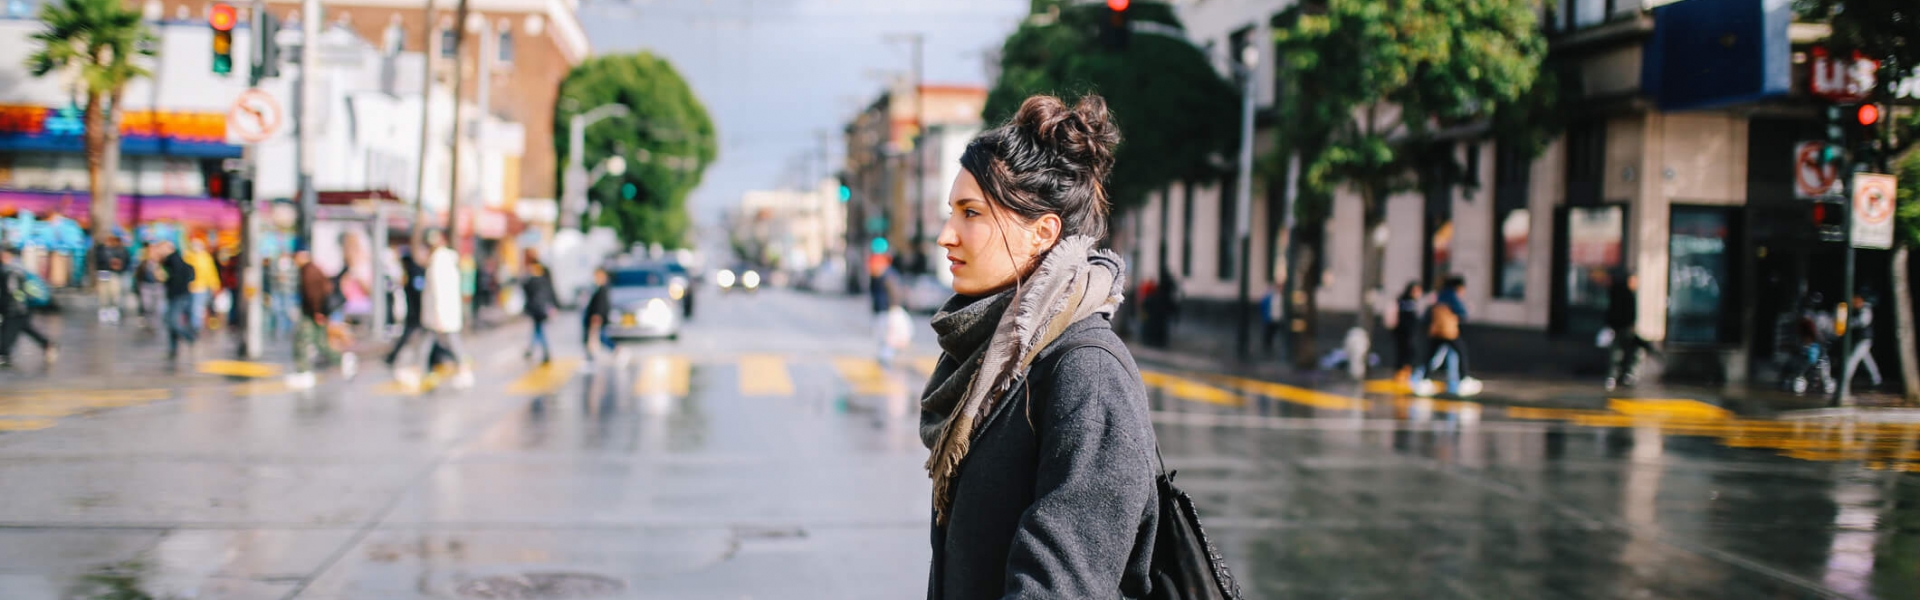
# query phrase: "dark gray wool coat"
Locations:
[[1064, 507]]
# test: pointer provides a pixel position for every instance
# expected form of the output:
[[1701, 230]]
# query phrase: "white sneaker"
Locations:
[[463, 380], [408, 378], [1423, 388], [1470, 386], [349, 364], [301, 381]]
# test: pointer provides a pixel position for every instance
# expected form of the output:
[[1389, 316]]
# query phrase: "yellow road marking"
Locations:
[[764, 375], [260, 388], [24, 424], [1187, 389], [1387, 386], [1684, 409], [668, 375], [239, 368], [866, 376], [1291, 394], [925, 364], [545, 379]]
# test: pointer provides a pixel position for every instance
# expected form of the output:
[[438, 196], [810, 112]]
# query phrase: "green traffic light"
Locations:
[[628, 190], [222, 64], [879, 245], [846, 193]]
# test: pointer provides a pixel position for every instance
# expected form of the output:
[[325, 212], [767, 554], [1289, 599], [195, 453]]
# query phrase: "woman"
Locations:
[[151, 279], [1406, 332], [1043, 456], [538, 289]]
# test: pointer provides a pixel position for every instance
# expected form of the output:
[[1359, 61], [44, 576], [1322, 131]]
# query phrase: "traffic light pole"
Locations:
[[1846, 306]]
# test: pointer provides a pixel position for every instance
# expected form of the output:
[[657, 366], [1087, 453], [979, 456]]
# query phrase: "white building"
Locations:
[[799, 228]]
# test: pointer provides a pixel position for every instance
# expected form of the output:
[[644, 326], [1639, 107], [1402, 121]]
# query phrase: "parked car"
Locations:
[[643, 303]]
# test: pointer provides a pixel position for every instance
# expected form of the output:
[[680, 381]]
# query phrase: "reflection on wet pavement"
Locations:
[[748, 460]]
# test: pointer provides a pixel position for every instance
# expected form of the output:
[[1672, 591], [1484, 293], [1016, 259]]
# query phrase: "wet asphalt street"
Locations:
[[766, 454]]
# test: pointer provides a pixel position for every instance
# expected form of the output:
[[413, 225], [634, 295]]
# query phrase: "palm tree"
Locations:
[[97, 41]]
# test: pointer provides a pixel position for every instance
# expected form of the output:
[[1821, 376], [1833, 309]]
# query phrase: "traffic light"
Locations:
[[628, 191], [846, 193], [266, 51], [879, 245], [1834, 153], [1828, 215], [1116, 28], [1864, 137], [222, 20]]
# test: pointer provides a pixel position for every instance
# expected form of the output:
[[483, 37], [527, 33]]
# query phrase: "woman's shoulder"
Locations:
[[1089, 357]]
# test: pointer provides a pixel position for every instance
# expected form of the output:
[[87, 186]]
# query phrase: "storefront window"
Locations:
[[1511, 279], [1595, 244], [1697, 275]]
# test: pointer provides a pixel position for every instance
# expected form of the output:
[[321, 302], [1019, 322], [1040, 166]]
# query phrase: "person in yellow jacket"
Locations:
[[206, 280]]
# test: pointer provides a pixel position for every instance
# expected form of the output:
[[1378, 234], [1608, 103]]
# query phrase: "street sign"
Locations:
[[1873, 196], [1842, 79], [254, 117], [1812, 177]]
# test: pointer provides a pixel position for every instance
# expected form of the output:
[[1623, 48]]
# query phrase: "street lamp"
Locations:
[[577, 179]]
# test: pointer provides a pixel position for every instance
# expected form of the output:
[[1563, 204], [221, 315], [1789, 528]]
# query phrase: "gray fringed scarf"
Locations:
[[989, 348]]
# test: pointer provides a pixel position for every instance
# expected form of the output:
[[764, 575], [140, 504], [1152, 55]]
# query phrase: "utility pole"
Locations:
[[459, 78], [418, 224], [1243, 196], [576, 179], [309, 99], [916, 194]]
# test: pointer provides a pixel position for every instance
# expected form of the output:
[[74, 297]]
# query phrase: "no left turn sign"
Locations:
[[254, 117]]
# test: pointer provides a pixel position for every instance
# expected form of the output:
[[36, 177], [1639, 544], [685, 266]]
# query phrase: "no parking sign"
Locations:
[[1873, 197]]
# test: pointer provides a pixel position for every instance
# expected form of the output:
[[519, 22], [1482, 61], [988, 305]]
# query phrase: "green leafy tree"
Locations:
[[1373, 83], [97, 42], [668, 141], [1177, 116]]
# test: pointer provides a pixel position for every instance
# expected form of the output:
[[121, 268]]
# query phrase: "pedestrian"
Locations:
[[315, 334], [538, 290], [440, 316], [1406, 331], [1162, 305], [1623, 317], [206, 281], [887, 294], [1057, 498], [486, 289], [413, 280], [1446, 319], [597, 317], [110, 263], [1270, 315], [151, 280], [180, 300], [1860, 328], [286, 292], [16, 311]]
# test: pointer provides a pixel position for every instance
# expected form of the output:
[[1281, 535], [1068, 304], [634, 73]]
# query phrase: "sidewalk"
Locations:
[[1531, 372], [105, 355]]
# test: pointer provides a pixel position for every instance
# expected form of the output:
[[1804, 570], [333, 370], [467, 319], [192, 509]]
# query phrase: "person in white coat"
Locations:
[[441, 317]]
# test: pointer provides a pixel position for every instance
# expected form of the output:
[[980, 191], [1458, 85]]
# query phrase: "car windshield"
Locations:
[[637, 278]]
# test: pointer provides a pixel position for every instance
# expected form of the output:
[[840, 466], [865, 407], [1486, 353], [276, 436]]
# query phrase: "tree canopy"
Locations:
[[99, 42], [1178, 117], [668, 141]]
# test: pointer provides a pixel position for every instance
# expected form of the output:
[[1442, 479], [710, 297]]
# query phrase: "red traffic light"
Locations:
[[222, 17], [1118, 5], [1869, 114]]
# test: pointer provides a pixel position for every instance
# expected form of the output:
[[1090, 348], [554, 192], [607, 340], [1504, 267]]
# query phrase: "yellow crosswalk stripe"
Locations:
[[664, 374], [1290, 394], [866, 376], [239, 368], [764, 375], [61, 403], [1187, 389], [545, 379]]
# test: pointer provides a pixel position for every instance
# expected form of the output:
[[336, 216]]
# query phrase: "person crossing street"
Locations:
[[441, 317], [16, 314]]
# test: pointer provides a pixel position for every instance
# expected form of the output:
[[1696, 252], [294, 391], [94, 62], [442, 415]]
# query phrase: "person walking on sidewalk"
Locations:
[[538, 290], [1406, 331], [16, 313], [599, 313], [150, 282], [1057, 496], [1446, 320], [887, 294], [206, 281], [1623, 317], [441, 316], [110, 262], [413, 280], [180, 303], [1860, 324], [313, 334]]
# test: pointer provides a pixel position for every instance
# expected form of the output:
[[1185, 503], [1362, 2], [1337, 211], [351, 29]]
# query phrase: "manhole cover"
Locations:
[[542, 586]]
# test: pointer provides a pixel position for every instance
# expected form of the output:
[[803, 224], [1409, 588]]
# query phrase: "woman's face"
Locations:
[[988, 247]]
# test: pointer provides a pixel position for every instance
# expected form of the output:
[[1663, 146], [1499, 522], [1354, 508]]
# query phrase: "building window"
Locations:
[[1186, 230], [1586, 163], [446, 42], [1595, 243], [506, 47], [1512, 222], [1227, 242], [1698, 275]]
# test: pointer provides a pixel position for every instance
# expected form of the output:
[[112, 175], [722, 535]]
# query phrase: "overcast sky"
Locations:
[[776, 74]]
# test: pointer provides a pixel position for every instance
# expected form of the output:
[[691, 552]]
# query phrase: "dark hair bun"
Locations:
[[1083, 136]]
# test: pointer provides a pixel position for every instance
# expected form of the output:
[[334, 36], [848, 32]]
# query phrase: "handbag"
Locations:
[[1186, 565]]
